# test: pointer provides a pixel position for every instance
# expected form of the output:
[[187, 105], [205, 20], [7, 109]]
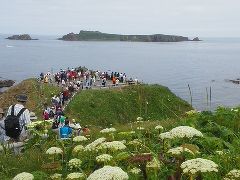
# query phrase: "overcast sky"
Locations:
[[203, 18]]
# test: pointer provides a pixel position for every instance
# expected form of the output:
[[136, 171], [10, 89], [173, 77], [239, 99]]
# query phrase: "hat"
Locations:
[[1, 111], [33, 116], [22, 98]]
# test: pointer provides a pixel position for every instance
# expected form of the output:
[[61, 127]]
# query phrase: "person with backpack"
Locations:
[[65, 131], [17, 119]]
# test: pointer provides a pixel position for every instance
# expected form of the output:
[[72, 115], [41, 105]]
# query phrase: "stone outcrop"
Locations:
[[21, 37], [196, 39], [98, 36], [6, 83]]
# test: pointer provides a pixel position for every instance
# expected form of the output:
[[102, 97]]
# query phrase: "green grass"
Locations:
[[117, 106]]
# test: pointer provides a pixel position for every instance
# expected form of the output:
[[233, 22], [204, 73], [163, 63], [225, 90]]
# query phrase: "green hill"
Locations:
[[104, 107]]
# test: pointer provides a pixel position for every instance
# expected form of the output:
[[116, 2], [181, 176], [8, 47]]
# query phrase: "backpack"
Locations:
[[12, 124]]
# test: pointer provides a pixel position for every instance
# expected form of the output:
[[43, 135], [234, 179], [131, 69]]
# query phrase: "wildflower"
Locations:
[[109, 173], [24, 176], [199, 165], [92, 146], [79, 139], [108, 130], [75, 175], [135, 142], [192, 112], [78, 149], [233, 175], [140, 128], [114, 145], [158, 127], [74, 163], [185, 131], [220, 152], [104, 158], [179, 150], [166, 135], [54, 150], [139, 118], [135, 171], [56, 176]]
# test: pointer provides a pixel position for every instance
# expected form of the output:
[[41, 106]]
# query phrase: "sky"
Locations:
[[202, 18]]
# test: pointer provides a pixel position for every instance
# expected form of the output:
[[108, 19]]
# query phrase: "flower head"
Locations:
[[24, 176], [108, 130], [79, 139], [135, 171], [166, 135], [76, 176], [78, 148], [93, 146], [179, 150], [104, 158], [74, 163], [109, 173], [114, 145], [56, 176], [185, 131], [158, 127], [233, 175], [54, 150]]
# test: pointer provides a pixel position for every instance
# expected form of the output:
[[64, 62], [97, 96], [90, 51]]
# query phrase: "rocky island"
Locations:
[[21, 37], [6, 83], [99, 36]]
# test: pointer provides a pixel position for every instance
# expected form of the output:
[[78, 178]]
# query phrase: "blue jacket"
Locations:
[[65, 132]]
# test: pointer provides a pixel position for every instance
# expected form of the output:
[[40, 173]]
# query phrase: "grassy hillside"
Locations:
[[38, 94], [153, 102]]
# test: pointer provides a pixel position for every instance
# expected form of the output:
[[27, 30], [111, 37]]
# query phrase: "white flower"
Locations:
[[56, 176], [79, 139], [158, 127], [166, 135], [140, 128], [220, 152], [199, 165], [108, 130], [135, 171], [185, 131], [54, 150], [233, 174], [135, 142], [24, 176], [109, 173], [139, 118], [92, 146], [114, 145], [179, 150], [192, 112], [75, 175], [104, 158], [78, 148], [74, 163]]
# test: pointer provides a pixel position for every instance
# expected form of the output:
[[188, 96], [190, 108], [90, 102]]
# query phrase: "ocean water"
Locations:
[[202, 64]]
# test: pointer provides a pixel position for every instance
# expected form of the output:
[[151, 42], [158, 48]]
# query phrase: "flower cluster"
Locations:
[[185, 131], [139, 118], [109, 173], [158, 127], [78, 148], [166, 135], [56, 176], [135, 171], [74, 163], [233, 175], [75, 175], [191, 112], [24, 176], [54, 150], [79, 139], [199, 165], [104, 158], [135, 142], [114, 145], [92, 146], [127, 133], [140, 128], [108, 130], [179, 150]]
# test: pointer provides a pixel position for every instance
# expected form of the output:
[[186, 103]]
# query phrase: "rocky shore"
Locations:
[[99, 36], [21, 37], [6, 83]]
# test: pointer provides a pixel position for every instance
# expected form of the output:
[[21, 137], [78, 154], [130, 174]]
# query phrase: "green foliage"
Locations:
[[153, 102]]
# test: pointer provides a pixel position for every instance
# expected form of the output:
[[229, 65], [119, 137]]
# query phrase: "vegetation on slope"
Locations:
[[153, 102], [38, 94]]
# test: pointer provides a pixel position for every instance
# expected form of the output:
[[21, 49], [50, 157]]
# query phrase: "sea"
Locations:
[[202, 68]]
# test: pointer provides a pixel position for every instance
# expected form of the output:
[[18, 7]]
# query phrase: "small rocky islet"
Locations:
[[21, 37]]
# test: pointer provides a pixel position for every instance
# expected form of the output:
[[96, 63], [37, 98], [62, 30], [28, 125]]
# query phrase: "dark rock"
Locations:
[[196, 39], [6, 83], [70, 37], [21, 37]]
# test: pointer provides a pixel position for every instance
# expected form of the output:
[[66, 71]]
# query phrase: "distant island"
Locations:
[[21, 37], [99, 36]]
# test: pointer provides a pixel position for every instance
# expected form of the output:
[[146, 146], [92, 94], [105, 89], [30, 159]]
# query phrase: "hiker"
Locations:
[[18, 117], [65, 131]]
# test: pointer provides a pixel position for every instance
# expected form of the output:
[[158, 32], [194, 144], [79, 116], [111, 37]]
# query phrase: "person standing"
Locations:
[[17, 119]]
